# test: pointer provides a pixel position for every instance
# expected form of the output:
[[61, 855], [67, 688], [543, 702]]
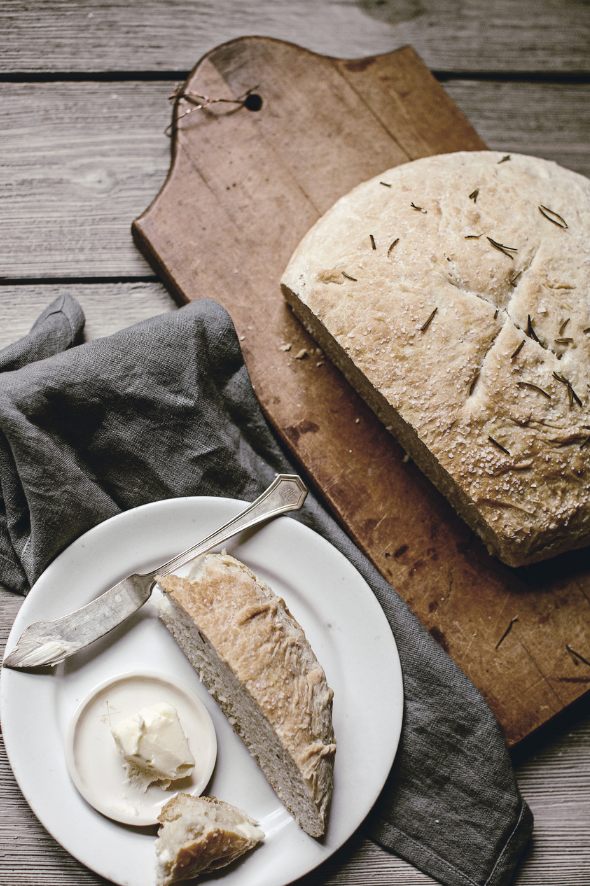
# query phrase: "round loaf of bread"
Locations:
[[454, 293]]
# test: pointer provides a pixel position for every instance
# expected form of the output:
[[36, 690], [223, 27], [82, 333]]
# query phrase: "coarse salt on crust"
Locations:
[[467, 330]]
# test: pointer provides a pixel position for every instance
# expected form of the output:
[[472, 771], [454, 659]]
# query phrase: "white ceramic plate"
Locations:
[[95, 764], [341, 618]]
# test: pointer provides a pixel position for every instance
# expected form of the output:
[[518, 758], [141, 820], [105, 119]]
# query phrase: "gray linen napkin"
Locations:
[[166, 409]]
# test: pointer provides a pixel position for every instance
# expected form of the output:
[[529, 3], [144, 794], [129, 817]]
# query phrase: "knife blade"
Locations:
[[46, 643]]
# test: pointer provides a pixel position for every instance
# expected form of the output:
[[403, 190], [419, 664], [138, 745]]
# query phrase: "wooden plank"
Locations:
[[67, 211], [74, 174], [107, 307], [556, 784], [78, 161], [156, 35], [529, 118], [248, 190]]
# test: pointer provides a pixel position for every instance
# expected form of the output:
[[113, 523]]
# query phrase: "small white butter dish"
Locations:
[[95, 764]]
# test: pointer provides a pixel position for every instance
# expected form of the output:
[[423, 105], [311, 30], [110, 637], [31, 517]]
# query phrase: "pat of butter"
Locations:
[[153, 746], [249, 831]]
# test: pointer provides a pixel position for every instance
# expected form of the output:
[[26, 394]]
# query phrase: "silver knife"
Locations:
[[49, 642]]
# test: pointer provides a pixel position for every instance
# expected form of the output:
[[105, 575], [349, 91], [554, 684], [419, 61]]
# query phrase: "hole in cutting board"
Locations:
[[253, 102]]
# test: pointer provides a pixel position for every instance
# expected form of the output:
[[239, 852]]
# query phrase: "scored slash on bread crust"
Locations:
[[456, 300], [256, 661], [199, 835]]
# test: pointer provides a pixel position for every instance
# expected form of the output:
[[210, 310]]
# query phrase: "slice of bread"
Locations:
[[256, 661], [453, 294], [201, 834]]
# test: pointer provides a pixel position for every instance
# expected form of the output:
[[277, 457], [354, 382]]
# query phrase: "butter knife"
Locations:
[[49, 642]]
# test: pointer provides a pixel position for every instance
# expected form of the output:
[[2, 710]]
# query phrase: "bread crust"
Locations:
[[467, 330], [199, 835], [255, 659]]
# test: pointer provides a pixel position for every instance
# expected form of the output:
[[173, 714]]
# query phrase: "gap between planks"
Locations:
[[147, 35], [67, 212]]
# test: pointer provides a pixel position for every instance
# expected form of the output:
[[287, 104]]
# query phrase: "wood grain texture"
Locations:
[[79, 161], [107, 308], [75, 159], [529, 118], [249, 191], [156, 35], [59, 220]]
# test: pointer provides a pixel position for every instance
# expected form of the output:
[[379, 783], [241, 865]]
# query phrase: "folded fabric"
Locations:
[[166, 409]]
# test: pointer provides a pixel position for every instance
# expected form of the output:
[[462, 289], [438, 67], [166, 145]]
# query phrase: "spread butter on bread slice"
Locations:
[[199, 835], [255, 660], [454, 294]]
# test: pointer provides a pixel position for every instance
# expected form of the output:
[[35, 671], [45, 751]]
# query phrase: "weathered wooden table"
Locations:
[[83, 152]]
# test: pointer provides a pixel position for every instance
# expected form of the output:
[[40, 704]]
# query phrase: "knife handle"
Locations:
[[286, 493]]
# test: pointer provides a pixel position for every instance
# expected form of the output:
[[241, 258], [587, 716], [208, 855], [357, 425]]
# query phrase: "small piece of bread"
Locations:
[[256, 661], [453, 293], [201, 834]]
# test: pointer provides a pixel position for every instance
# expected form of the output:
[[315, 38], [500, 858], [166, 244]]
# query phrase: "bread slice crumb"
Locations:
[[255, 660]]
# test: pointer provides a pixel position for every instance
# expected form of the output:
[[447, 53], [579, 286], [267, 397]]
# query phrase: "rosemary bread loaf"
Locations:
[[454, 294], [199, 835], [256, 661]]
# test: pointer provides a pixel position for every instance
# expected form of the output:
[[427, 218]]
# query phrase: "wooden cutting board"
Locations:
[[246, 183]]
